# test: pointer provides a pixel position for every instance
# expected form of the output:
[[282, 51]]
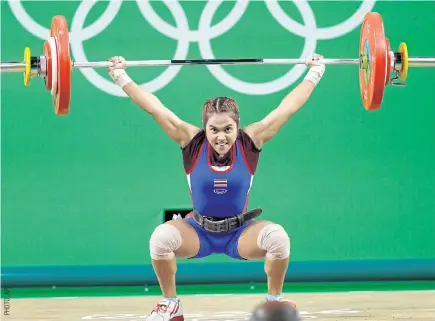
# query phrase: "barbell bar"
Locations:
[[376, 63], [6, 67], [21, 66]]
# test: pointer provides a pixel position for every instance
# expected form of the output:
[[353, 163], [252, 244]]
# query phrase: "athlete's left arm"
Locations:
[[262, 131]]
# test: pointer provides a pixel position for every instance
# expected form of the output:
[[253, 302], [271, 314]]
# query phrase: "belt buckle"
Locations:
[[224, 225], [217, 226], [232, 222], [227, 224]]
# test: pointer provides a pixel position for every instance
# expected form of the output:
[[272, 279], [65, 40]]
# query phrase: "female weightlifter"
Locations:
[[220, 160]]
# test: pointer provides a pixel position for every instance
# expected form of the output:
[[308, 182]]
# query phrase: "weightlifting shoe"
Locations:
[[166, 310]]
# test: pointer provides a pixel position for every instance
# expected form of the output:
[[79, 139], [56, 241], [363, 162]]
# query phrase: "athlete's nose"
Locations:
[[221, 138]]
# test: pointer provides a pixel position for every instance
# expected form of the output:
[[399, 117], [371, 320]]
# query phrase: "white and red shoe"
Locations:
[[166, 310]]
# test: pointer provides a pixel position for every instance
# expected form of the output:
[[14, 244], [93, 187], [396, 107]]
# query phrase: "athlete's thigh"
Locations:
[[189, 239], [247, 245]]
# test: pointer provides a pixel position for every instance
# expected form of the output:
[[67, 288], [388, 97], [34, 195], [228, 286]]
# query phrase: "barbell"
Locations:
[[378, 65]]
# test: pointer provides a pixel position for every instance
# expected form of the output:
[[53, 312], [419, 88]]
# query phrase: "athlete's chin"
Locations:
[[222, 149]]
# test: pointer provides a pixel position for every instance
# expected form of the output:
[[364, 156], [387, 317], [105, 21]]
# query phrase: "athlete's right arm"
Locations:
[[177, 129]]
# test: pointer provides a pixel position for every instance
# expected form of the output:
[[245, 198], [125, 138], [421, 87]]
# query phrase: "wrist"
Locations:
[[315, 74], [120, 77]]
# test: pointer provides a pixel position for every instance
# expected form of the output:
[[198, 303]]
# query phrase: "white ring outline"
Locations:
[[41, 32], [260, 88], [193, 35], [108, 86], [322, 33]]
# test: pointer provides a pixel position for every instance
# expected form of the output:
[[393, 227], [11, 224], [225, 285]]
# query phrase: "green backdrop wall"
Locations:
[[82, 193]]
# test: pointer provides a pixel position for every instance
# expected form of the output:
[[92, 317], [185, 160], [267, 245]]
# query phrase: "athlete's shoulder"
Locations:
[[192, 149], [251, 152], [199, 137], [247, 141]]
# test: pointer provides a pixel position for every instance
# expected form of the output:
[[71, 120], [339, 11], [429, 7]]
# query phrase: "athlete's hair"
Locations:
[[219, 105]]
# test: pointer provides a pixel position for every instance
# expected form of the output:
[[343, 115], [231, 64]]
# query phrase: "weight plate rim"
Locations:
[[403, 49], [372, 92], [59, 31], [27, 71]]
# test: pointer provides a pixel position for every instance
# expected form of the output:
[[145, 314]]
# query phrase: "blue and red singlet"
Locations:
[[220, 187]]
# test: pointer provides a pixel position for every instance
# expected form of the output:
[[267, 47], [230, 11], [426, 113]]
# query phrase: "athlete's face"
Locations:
[[221, 131]]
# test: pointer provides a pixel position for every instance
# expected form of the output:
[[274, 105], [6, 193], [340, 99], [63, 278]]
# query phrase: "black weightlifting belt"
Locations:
[[215, 225]]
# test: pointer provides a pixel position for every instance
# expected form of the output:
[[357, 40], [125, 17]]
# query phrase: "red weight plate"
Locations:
[[47, 54], [372, 43], [387, 76], [62, 97]]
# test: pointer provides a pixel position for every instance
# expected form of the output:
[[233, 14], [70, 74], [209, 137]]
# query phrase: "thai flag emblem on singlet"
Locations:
[[220, 186]]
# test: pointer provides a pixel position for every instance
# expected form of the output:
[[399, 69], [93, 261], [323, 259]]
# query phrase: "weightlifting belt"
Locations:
[[215, 225]]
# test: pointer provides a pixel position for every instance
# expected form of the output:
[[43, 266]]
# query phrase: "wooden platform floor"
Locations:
[[340, 306]]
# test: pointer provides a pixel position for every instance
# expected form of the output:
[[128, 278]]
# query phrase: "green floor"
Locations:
[[216, 289]]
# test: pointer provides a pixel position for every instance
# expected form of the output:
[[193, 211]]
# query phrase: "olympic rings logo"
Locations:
[[205, 33]]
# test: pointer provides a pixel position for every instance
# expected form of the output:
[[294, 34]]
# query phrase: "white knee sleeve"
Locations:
[[274, 239], [164, 241]]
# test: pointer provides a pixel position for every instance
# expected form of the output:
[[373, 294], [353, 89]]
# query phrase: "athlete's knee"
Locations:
[[164, 241], [275, 241]]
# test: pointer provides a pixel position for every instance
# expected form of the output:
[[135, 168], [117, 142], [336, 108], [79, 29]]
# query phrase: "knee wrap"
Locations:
[[164, 241], [274, 239]]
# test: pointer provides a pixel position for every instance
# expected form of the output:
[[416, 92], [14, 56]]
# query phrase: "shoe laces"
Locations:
[[161, 307]]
